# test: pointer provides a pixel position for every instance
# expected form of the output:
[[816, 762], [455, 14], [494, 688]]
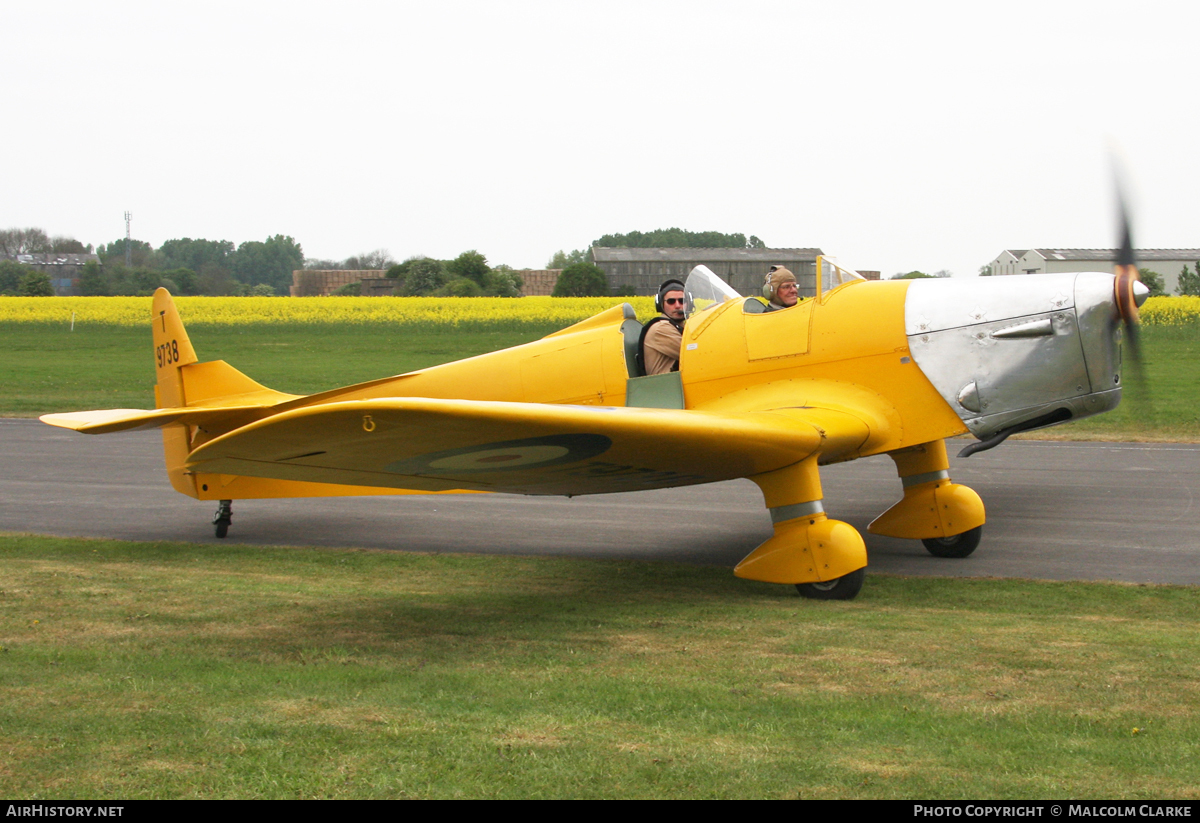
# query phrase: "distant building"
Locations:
[[63, 269], [324, 282], [377, 286], [1167, 262], [641, 271]]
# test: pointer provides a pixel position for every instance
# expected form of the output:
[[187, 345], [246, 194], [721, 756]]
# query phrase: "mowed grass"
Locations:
[[174, 670], [47, 367], [1163, 404]]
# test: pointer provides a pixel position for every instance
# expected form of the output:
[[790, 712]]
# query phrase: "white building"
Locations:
[[1167, 262]]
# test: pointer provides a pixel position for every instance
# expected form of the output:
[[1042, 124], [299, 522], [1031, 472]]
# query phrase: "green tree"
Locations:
[[471, 265], [36, 284], [215, 281], [1153, 281], [581, 280], [912, 275], [560, 259], [755, 243], [186, 253], [502, 281], [460, 287], [424, 276], [1189, 282], [92, 281], [271, 261], [134, 282], [185, 280], [141, 253], [985, 271], [399, 273], [11, 273], [674, 238]]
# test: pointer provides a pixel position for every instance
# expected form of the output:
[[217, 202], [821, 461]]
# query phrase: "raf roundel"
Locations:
[[506, 456]]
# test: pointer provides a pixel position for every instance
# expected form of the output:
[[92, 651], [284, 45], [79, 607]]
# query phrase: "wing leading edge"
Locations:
[[525, 448]]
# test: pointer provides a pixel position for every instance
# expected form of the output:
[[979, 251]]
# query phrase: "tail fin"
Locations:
[[172, 351], [225, 393]]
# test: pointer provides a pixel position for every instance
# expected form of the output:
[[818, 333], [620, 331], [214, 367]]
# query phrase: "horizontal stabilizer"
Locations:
[[106, 421]]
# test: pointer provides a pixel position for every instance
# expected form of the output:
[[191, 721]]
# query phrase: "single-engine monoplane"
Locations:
[[860, 369]]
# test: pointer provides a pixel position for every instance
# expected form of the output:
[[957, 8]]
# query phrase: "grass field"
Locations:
[[1165, 405], [50, 368], [174, 670]]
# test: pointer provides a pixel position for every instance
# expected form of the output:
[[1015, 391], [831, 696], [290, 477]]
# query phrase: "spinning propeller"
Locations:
[[1128, 293]]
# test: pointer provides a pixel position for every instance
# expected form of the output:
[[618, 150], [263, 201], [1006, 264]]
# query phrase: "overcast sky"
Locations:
[[896, 136]]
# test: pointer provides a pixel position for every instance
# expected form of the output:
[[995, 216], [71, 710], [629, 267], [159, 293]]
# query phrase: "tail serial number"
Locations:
[[167, 354]]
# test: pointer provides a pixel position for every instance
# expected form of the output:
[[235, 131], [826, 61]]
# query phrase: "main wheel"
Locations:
[[846, 587], [960, 545], [221, 528]]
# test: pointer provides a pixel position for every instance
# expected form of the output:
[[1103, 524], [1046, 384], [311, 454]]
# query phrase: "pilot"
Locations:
[[662, 337], [780, 289]]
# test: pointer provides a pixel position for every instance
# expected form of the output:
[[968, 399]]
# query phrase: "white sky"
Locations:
[[898, 136]]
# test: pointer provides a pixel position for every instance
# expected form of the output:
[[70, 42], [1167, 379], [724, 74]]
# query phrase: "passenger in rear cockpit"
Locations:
[[780, 289]]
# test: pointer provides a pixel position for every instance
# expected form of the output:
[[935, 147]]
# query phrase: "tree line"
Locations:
[[200, 266], [134, 267], [467, 275]]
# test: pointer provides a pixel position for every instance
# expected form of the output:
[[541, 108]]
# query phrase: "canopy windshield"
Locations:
[[830, 274], [704, 290]]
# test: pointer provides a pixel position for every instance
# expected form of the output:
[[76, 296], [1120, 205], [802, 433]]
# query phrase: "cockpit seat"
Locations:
[[631, 331]]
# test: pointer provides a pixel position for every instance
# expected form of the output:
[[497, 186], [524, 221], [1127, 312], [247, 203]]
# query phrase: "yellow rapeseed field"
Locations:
[[496, 312], [475, 311], [1171, 311]]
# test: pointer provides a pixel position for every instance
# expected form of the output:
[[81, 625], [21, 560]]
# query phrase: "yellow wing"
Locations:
[[527, 448]]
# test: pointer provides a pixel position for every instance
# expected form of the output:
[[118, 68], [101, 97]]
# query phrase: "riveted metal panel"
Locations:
[[937, 305]]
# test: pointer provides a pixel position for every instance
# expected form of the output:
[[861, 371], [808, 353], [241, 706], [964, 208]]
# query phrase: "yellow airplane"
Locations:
[[863, 368]]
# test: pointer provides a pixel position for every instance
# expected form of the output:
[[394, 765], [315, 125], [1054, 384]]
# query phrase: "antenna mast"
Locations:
[[128, 240]]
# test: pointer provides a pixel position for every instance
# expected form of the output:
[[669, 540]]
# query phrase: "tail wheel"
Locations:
[[846, 587], [223, 518], [960, 545]]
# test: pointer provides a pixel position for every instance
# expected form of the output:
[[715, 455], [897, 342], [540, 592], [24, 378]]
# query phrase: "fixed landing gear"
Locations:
[[843, 588], [960, 545], [223, 518]]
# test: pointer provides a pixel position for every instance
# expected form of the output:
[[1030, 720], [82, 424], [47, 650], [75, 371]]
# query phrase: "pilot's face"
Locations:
[[788, 294], [673, 305]]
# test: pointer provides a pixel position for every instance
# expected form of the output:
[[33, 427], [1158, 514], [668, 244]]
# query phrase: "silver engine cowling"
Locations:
[[1022, 352]]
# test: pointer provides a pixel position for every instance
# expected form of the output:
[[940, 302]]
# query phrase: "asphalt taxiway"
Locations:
[[1056, 510]]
